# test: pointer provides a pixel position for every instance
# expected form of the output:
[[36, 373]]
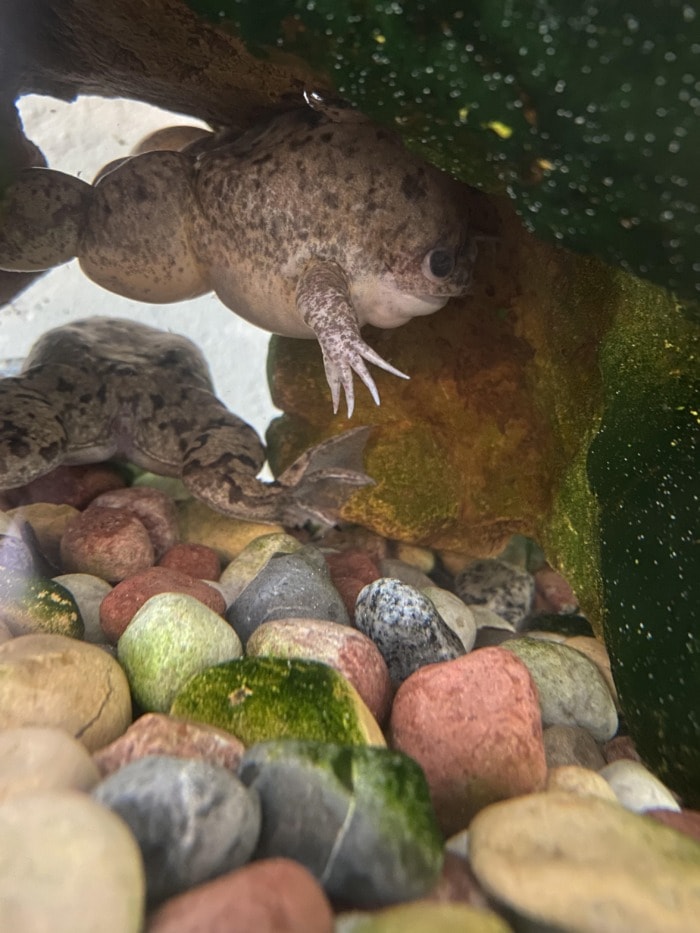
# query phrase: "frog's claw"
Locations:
[[339, 373], [325, 476]]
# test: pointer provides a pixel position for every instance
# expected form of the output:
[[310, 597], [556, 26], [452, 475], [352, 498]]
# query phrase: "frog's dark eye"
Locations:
[[438, 264]]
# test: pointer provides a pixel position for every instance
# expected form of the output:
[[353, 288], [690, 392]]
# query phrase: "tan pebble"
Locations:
[[421, 557], [33, 758], [52, 680], [573, 779], [595, 651], [227, 536]]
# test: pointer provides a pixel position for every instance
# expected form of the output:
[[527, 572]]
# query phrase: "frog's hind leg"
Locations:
[[221, 466], [42, 215], [137, 238]]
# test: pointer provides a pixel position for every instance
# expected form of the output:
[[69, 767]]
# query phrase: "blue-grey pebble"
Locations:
[[405, 626], [289, 586], [359, 818], [498, 585], [192, 820]]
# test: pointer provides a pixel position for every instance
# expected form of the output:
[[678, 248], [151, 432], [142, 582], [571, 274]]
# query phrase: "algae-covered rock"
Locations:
[[359, 818], [273, 698], [31, 605]]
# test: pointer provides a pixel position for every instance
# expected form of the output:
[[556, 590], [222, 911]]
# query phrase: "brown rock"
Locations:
[[197, 560], [350, 652], [572, 745], [269, 896], [621, 746], [685, 821], [474, 726], [119, 607], [107, 543], [350, 571], [153, 508], [553, 593], [157, 734], [68, 485]]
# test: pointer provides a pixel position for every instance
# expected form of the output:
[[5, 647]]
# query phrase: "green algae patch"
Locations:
[[272, 698], [33, 606]]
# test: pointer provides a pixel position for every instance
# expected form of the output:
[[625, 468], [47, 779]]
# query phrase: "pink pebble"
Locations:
[[157, 734], [152, 507], [269, 896], [119, 606], [197, 560], [107, 543], [474, 726], [553, 594]]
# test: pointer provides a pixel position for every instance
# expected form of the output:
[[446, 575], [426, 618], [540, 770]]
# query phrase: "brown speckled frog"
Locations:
[[104, 387], [309, 225]]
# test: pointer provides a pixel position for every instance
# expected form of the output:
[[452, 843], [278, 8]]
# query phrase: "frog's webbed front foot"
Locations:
[[323, 299], [221, 465]]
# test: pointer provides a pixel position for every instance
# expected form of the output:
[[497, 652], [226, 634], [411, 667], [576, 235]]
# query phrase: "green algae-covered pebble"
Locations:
[[423, 917], [273, 698], [172, 637], [359, 818], [33, 606]]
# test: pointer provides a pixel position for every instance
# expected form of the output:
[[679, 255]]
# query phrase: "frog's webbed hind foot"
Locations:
[[221, 465], [322, 479], [33, 439]]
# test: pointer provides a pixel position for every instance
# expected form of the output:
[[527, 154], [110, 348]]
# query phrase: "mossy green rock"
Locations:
[[423, 917], [271, 698], [31, 605], [172, 637], [359, 818], [565, 862]]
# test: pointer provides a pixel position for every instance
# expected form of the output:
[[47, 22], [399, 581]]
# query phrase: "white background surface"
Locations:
[[79, 138]]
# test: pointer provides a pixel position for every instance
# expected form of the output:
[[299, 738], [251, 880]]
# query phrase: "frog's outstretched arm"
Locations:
[[222, 461], [323, 300]]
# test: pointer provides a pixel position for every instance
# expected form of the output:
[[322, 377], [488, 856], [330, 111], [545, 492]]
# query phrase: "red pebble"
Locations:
[[474, 726], [158, 734], [553, 594], [68, 485], [151, 506], [197, 560], [119, 606], [351, 571], [107, 543], [273, 895]]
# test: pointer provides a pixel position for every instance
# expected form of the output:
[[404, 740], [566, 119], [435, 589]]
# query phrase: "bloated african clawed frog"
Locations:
[[309, 225]]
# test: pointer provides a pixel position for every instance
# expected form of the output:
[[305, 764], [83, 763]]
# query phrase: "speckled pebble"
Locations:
[[67, 865], [350, 652], [273, 895], [499, 586], [358, 818], [192, 820], [171, 638], [88, 591], [572, 690], [289, 586], [405, 626], [154, 509], [196, 560], [156, 734], [636, 788], [121, 605], [107, 543], [37, 759]]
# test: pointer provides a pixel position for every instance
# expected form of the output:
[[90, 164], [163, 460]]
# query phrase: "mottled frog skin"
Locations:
[[309, 225], [104, 387]]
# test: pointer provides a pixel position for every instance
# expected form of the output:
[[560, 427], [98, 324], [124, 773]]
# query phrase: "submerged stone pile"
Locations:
[[209, 725]]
